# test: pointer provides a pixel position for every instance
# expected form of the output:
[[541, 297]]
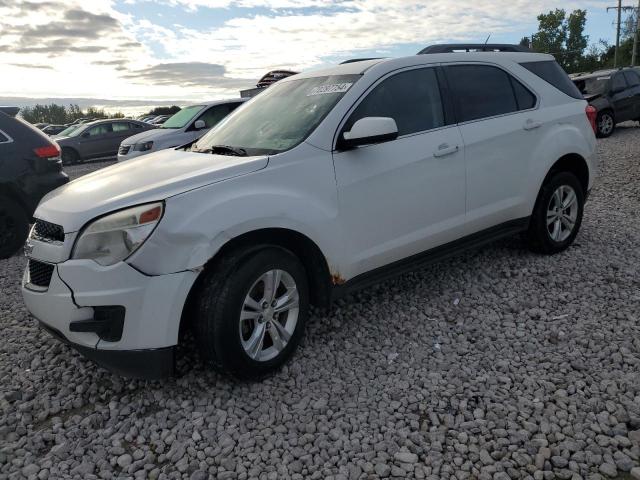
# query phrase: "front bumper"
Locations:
[[80, 289], [131, 154]]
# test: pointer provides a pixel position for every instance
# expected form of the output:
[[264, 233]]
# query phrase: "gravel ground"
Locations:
[[499, 364]]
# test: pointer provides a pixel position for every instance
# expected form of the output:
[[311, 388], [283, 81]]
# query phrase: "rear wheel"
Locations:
[[557, 215], [251, 311], [14, 227], [69, 156], [605, 123]]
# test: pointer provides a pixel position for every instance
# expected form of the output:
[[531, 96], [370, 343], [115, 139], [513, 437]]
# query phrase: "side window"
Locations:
[[524, 97], [481, 91], [632, 78], [411, 98], [212, 116], [101, 129], [233, 106], [119, 127], [133, 126], [618, 82]]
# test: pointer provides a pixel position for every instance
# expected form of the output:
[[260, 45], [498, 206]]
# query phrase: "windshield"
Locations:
[[67, 131], [279, 118], [183, 117], [78, 130], [592, 86]]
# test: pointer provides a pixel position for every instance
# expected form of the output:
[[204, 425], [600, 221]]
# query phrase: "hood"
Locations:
[[150, 178], [153, 134]]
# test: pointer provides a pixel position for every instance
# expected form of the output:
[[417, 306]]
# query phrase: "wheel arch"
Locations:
[[573, 163], [307, 251]]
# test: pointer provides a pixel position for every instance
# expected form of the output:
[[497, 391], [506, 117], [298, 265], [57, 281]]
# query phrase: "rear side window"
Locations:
[[524, 97], [618, 82], [552, 73], [121, 126], [411, 98], [481, 91], [632, 78]]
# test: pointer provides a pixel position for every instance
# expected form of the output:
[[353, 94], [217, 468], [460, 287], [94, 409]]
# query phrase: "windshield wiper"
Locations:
[[224, 150]]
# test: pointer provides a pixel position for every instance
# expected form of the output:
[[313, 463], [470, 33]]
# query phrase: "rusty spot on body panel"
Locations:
[[336, 279]]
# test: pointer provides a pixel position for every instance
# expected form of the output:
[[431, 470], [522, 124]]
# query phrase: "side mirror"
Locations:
[[199, 125], [367, 131]]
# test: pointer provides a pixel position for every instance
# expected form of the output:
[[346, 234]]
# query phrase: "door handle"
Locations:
[[444, 150], [531, 124]]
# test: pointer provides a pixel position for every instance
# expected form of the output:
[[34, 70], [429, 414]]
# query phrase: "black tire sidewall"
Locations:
[[599, 117], [21, 219], [538, 229], [69, 156], [223, 330]]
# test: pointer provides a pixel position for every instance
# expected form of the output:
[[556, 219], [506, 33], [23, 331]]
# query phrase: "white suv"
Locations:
[[326, 182]]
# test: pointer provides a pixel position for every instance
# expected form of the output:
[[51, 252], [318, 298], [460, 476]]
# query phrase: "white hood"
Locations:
[[160, 135], [153, 177]]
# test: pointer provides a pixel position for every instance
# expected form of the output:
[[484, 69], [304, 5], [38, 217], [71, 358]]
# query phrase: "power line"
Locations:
[[619, 8]]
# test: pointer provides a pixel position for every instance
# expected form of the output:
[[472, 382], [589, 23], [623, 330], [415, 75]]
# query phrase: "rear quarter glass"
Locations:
[[553, 74]]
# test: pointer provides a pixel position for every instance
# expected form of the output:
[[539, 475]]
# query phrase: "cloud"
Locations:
[[186, 74], [32, 65]]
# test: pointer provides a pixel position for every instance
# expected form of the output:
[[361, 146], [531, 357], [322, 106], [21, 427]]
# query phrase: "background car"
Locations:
[[40, 125], [614, 93], [187, 125], [97, 139], [30, 167], [53, 129]]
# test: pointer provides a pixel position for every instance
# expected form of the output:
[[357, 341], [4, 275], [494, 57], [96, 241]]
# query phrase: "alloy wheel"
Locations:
[[269, 315], [562, 213], [606, 124]]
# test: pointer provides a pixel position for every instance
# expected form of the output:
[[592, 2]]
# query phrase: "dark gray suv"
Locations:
[[98, 139]]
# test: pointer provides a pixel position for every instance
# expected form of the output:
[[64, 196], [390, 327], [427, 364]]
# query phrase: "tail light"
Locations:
[[592, 114], [48, 151]]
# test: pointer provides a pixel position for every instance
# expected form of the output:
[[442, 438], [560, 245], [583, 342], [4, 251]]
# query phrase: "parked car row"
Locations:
[[615, 94], [326, 182]]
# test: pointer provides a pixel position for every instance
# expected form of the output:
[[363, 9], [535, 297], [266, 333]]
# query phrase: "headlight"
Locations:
[[115, 237], [143, 147]]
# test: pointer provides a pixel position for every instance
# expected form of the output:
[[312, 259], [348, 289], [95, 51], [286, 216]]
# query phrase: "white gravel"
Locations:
[[499, 364]]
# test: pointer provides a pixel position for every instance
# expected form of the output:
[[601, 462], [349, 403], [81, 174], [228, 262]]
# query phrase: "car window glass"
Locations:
[[100, 129], [481, 91], [524, 98], [411, 98], [212, 116], [632, 78], [135, 125], [618, 82], [121, 126], [552, 73]]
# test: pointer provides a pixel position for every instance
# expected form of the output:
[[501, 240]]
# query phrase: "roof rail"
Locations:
[[473, 47], [354, 60]]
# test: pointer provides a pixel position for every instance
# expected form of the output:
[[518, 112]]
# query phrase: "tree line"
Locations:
[[562, 35], [61, 115]]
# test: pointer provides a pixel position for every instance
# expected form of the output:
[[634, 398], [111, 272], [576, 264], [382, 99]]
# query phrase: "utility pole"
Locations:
[[635, 37], [620, 8]]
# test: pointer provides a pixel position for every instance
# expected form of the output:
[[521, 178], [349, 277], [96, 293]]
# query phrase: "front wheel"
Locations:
[[14, 227], [605, 124], [69, 156], [557, 215], [251, 311]]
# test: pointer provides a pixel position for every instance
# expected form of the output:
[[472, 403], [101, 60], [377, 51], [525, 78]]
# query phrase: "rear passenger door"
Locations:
[[501, 129], [404, 196]]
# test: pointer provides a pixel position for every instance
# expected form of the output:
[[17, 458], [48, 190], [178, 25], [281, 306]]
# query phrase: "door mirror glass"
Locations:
[[199, 125], [369, 130]]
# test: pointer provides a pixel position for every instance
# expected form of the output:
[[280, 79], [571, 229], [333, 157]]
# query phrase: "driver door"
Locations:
[[405, 196]]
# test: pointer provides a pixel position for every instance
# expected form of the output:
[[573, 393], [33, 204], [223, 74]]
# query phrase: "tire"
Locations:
[[14, 227], [69, 156], [553, 227], [236, 287], [605, 123]]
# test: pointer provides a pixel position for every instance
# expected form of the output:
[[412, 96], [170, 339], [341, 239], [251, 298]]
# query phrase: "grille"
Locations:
[[48, 231], [124, 149], [40, 273]]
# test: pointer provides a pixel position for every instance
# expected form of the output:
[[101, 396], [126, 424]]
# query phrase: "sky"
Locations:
[[126, 54]]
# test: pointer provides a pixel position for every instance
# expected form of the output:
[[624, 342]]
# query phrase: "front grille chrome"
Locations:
[[47, 232], [124, 149], [40, 273]]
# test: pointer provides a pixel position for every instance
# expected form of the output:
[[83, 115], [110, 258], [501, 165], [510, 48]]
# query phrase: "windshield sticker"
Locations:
[[326, 89]]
